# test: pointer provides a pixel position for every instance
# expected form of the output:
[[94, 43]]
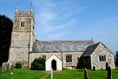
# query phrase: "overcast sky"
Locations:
[[71, 19]]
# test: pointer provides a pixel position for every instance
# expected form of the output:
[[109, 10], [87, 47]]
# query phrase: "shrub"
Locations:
[[18, 65], [38, 64]]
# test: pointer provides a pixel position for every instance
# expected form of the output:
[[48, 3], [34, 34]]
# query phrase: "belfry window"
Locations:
[[69, 58], [33, 26], [22, 23]]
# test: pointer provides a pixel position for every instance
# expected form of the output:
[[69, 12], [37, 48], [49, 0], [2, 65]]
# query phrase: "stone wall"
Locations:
[[102, 50], [61, 56], [22, 38], [17, 24], [75, 56], [19, 55], [19, 48]]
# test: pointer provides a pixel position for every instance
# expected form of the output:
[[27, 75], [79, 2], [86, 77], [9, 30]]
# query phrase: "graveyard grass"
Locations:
[[78, 74], [22, 74], [65, 74]]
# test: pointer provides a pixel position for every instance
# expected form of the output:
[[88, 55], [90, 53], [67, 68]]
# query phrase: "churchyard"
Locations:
[[65, 74]]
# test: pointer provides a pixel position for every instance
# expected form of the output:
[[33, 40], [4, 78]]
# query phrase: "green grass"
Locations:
[[22, 74], [68, 74], [65, 74], [77, 74]]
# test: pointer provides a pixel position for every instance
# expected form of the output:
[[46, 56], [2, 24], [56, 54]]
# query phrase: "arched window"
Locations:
[[69, 58]]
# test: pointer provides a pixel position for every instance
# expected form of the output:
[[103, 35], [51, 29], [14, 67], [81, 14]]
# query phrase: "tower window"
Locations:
[[33, 26], [22, 24], [69, 58]]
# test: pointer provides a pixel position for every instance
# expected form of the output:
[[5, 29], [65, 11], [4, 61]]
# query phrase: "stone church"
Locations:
[[60, 54]]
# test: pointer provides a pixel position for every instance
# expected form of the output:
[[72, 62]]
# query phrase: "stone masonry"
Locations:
[[22, 37]]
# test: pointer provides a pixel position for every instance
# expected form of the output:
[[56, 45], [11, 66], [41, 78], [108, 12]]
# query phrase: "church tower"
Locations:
[[22, 37]]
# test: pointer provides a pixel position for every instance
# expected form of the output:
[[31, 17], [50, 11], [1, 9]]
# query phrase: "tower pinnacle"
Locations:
[[31, 7], [16, 9]]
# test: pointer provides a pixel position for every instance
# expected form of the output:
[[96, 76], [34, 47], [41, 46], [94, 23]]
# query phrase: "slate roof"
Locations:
[[61, 46], [90, 49]]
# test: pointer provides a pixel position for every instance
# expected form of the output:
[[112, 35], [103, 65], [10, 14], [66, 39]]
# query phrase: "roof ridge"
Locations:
[[63, 40]]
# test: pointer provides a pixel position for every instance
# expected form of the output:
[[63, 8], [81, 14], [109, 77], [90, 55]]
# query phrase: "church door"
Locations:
[[54, 65]]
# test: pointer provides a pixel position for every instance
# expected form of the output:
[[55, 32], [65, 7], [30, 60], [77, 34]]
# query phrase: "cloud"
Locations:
[[60, 27], [53, 18]]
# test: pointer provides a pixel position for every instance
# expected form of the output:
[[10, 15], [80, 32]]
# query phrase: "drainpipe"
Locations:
[[62, 59]]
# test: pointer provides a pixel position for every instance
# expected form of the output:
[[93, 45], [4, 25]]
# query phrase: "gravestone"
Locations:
[[85, 74], [93, 68], [5, 66], [109, 73], [107, 65]]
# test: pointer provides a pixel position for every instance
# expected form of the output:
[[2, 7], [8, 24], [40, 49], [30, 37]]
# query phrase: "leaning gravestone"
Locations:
[[5, 66], [85, 74]]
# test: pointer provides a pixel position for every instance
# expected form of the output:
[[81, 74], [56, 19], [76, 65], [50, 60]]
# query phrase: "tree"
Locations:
[[38, 64], [5, 37]]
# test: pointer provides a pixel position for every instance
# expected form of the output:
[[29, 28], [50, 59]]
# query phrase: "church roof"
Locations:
[[90, 49], [61, 46]]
